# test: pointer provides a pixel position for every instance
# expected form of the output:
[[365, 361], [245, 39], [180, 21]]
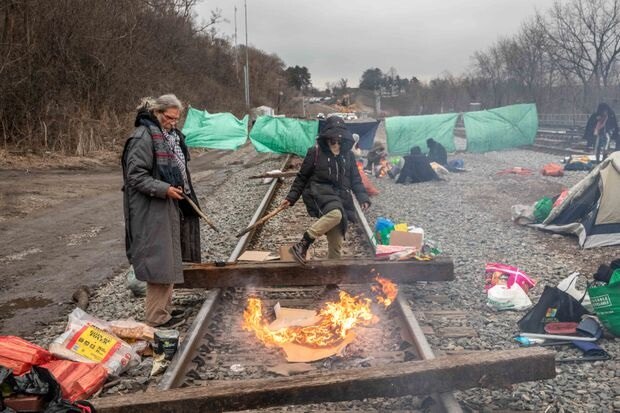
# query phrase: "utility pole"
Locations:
[[247, 60], [236, 47]]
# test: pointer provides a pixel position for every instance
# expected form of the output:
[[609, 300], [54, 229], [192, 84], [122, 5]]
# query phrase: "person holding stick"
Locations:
[[161, 227], [326, 181]]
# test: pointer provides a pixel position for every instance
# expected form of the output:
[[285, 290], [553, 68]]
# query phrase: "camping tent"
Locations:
[[591, 210]]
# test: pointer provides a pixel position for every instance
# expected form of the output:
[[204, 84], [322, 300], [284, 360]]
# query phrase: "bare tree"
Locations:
[[584, 37], [491, 67], [70, 84]]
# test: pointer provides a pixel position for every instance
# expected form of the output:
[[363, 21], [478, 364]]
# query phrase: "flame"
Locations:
[[337, 318], [389, 290]]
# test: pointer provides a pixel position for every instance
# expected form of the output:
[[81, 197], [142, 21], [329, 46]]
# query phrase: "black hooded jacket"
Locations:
[[417, 168], [326, 180], [611, 125], [437, 153]]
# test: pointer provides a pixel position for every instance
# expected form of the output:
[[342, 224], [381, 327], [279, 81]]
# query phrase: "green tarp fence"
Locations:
[[405, 132], [505, 127], [283, 135], [214, 130]]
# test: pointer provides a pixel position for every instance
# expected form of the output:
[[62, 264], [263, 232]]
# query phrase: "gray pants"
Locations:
[[329, 225]]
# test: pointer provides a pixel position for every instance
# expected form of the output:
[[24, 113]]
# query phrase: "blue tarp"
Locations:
[[366, 131]]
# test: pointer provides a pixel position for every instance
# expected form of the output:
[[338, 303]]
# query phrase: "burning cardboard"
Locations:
[[296, 353], [306, 335]]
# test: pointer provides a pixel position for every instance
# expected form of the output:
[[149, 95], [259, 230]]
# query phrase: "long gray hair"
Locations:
[[160, 104]]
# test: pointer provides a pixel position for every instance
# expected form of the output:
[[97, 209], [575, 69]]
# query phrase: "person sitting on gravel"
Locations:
[[373, 159], [436, 152], [417, 168], [161, 228], [326, 179]]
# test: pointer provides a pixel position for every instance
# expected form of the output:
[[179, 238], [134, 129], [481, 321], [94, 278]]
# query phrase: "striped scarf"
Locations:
[[173, 141], [165, 158]]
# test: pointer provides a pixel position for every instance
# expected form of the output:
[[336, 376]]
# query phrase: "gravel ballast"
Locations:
[[469, 217]]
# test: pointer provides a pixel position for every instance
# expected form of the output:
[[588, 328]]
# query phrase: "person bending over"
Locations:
[[437, 153]]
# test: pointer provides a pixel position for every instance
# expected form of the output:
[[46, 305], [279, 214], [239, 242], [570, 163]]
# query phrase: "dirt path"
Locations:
[[61, 229]]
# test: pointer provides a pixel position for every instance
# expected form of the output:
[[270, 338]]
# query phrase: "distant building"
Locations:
[[263, 111]]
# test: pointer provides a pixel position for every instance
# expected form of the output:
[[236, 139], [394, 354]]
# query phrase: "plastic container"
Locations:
[[383, 228], [166, 343]]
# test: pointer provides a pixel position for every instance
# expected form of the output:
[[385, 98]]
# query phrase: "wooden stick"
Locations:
[[274, 175], [262, 220], [200, 213]]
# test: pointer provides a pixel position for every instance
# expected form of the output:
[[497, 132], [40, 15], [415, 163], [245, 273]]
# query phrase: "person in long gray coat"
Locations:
[[161, 228]]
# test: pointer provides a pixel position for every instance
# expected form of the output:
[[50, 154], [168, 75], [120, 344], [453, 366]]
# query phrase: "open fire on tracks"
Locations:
[[329, 329]]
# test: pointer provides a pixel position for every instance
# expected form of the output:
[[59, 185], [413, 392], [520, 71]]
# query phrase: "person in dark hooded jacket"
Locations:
[[326, 181], [436, 152], [161, 228], [417, 168], [602, 122]]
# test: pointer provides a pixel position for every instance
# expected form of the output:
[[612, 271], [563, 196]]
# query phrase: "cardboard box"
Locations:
[[259, 256], [285, 255], [407, 239]]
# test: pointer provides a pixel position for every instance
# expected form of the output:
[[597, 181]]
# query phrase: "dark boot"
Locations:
[[300, 249]]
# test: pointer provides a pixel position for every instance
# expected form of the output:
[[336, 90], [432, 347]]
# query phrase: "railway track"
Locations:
[[205, 356], [217, 352], [558, 142]]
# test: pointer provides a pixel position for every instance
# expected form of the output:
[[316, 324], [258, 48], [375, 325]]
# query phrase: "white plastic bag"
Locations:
[[500, 297], [87, 339], [569, 284]]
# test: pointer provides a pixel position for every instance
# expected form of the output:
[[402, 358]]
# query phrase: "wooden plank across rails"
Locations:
[[443, 374], [343, 271]]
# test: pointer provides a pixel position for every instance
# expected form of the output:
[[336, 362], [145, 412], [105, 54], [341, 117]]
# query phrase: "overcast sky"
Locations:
[[341, 38]]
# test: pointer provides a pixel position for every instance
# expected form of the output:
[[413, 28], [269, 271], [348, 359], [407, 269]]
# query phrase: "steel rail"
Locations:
[[447, 401], [260, 211], [177, 369]]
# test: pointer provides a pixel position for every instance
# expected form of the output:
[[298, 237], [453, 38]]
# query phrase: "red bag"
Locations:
[[561, 198], [77, 380], [368, 186], [553, 169]]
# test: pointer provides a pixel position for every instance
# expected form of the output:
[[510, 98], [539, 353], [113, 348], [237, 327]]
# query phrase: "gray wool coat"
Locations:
[[158, 236]]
